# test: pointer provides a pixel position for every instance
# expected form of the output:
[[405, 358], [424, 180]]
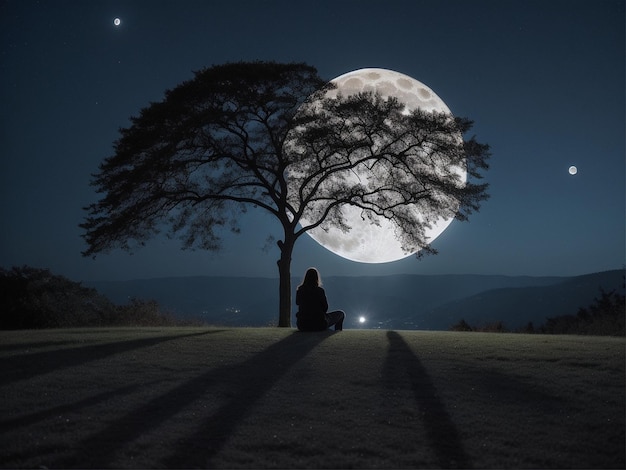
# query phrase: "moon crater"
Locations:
[[404, 83]]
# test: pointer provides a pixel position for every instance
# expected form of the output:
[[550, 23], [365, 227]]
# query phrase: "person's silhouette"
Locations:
[[312, 304]]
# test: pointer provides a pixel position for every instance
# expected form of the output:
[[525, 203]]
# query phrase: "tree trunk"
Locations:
[[284, 293]]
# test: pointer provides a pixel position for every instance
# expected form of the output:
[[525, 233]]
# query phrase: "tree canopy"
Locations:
[[364, 151], [265, 135], [191, 161]]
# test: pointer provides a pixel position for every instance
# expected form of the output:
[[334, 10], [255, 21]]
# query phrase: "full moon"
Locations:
[[573, 170], [375, 241], [117, 22]]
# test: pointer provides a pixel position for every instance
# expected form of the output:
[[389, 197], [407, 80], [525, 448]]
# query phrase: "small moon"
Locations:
[[117, 22], [573, 170], [361, 319]]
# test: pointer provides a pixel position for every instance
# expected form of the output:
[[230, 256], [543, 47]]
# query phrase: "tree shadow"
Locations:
[[27, 366], [246, 382], [32, 418], [511, 391], [40, 344], [403, 365]]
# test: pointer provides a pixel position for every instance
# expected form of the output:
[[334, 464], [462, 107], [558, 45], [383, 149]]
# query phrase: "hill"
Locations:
[[398, 301], [519, 305], [275, 398]]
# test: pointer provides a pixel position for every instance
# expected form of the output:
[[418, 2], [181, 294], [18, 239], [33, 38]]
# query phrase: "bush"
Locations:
[[36, 298], [528, 329], [461, 326], [143, 313], [495, 327], [605, 316]]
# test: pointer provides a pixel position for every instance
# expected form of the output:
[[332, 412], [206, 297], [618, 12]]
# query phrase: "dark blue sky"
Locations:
[[543, 81]]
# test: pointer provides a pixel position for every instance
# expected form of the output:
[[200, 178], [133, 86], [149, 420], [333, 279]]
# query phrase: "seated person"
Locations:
[[313, 312]]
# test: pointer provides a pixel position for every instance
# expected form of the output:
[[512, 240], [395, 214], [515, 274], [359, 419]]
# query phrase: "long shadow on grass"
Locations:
[[402, 365], [26, 366], [247, 383], [6, 425], [40, 344]]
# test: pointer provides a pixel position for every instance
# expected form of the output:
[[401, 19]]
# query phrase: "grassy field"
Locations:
[[201, 397]]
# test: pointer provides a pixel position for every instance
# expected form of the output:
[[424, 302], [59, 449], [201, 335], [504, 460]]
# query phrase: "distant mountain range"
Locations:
[[390, 302]]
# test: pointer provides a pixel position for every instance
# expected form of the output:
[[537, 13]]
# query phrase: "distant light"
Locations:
[[573, 170], [117, 22], [361, 319]]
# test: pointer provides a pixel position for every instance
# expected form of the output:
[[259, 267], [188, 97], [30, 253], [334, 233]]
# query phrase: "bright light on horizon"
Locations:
[[361, 319]]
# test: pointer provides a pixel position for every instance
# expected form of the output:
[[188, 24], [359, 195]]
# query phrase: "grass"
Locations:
[[269, 397]]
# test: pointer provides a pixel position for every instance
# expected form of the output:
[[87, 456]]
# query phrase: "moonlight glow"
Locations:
[[376, 241], [117, 22], [573, 170], [361, 319]]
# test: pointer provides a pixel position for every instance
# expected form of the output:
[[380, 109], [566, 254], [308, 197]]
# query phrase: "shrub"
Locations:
[[605, 316], [143, 313], [36, 298], [461, 326], [495, 327]]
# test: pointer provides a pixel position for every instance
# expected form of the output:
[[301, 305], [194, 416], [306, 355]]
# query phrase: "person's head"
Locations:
[[312, 278]]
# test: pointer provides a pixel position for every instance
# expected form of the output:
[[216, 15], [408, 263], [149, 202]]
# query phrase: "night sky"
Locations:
[[543, 81]]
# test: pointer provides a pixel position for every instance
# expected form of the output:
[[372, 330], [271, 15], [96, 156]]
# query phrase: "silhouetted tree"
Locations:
[[262, 135], [605, 316]]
